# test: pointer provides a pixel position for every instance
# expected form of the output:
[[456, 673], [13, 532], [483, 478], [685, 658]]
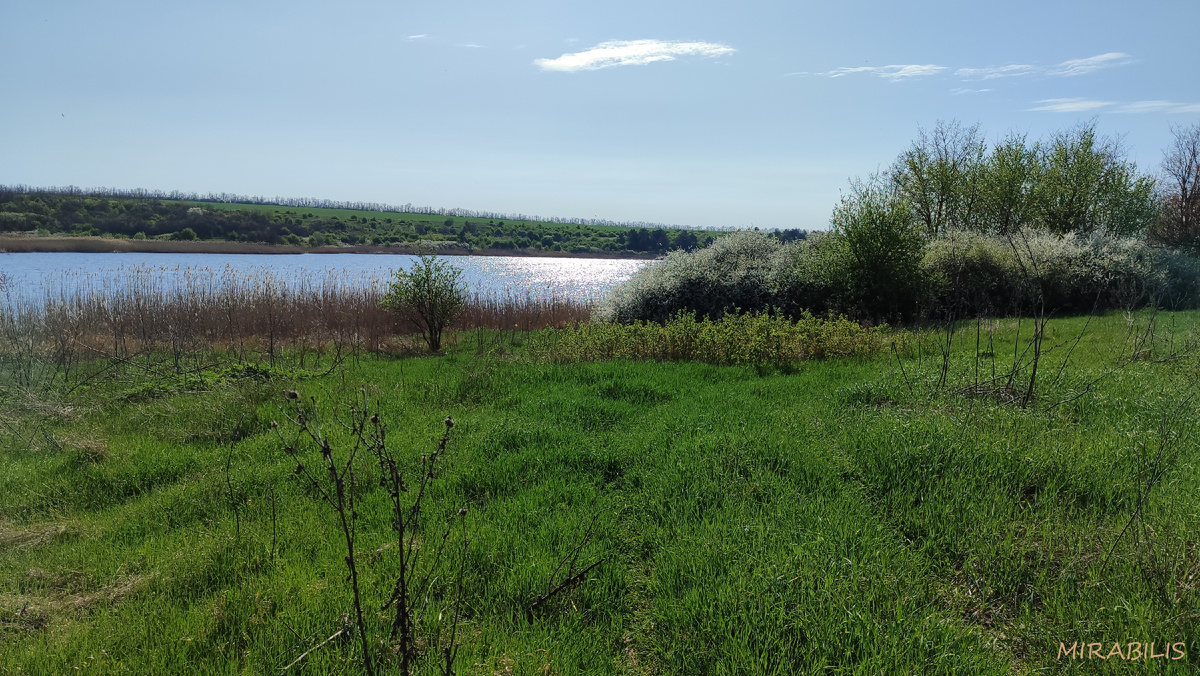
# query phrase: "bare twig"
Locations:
[[306, 653]]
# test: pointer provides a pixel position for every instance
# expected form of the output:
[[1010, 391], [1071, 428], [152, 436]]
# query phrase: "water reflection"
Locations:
[[582, 279]]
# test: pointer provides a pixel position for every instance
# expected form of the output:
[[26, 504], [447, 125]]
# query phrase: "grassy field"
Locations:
[[891, 514]]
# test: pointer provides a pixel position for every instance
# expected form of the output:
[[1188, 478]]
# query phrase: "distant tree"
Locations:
[[686, 240], [790, 235], [187, 234]]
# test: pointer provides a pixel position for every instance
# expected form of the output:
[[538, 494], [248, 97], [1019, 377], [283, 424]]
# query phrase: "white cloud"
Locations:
[[422, 36], [472, 45], [893, 73], [1090, 64], [993, 72], [959, 90], [1070, 105], [631, 53]]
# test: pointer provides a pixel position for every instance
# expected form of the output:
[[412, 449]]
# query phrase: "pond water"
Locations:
[[32, 275]]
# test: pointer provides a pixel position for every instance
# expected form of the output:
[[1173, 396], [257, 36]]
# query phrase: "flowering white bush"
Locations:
[[961, 274]]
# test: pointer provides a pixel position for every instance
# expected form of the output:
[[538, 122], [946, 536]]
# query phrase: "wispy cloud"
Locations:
[[1079, 105], [472, 45], [993, 72], [903, 72], [959, 91], [893, 72], [422, 36], [631, 53], [1157, 107], [1089, 65], [1074, 105]]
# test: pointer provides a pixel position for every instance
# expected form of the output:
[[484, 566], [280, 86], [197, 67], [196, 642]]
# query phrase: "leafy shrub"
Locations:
[[878, 271], [431, 295], [750, 338]]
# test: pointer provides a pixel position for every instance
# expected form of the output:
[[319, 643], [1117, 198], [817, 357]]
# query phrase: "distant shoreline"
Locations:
[[26, 244]]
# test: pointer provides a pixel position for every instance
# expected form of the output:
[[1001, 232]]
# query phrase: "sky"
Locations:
[[699, 113]]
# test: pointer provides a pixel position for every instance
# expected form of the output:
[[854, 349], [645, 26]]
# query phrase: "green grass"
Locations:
[[843, 516]]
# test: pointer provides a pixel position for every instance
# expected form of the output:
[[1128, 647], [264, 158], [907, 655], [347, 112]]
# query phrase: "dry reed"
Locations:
[[191, 311]]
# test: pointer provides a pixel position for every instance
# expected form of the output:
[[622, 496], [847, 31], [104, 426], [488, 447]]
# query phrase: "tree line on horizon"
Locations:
[[321, 203]]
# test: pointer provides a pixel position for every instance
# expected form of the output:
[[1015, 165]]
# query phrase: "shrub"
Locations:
[[732, 273], [805, 274], [751, 338], [430, 295], [875, 269], [972, 274], [878, 269]]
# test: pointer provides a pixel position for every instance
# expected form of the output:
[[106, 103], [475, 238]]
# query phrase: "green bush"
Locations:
[[430, 295], [877, 272]]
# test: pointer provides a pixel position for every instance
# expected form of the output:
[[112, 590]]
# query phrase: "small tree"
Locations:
[[1179, 221], [430, 295], [938, 173]]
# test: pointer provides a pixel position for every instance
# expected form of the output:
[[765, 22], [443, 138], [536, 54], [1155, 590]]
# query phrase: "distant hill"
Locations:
[[142, 214]]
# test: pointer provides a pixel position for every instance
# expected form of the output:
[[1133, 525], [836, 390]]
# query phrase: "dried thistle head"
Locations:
[[291, 394], [449, 422]]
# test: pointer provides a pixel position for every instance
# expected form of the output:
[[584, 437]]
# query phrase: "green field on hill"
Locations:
[[49, 213], [895, 513]]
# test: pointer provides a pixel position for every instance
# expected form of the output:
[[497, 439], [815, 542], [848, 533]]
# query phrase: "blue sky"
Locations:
[[703, 113]]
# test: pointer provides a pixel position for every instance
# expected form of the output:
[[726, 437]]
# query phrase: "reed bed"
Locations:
[[190, 311]]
